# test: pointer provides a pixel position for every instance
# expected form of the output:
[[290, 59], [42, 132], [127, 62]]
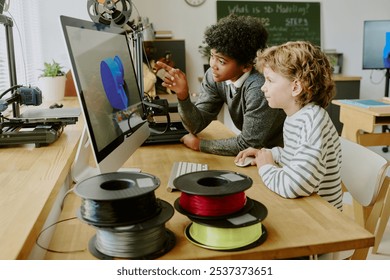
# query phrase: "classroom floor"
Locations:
[[384, 247]]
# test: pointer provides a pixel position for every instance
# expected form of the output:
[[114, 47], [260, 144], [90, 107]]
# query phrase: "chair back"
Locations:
[[362, 171], [364, 175]]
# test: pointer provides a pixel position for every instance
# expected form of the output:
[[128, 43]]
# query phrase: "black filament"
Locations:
[[121, 211]]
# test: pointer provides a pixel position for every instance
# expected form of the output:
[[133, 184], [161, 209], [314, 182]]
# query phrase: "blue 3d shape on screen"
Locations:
[[386, 51], [112, 75]]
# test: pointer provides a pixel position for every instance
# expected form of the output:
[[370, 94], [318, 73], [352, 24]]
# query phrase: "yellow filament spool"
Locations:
[[224, 238]]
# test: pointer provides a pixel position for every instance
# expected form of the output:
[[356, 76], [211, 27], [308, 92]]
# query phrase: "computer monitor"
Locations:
[[375, 33], [107, 88]]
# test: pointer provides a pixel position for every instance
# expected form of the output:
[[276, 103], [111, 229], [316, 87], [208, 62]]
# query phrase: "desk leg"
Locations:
[[360, 254]]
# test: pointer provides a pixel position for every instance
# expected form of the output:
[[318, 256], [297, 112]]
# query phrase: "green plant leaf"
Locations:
[[53, 69]]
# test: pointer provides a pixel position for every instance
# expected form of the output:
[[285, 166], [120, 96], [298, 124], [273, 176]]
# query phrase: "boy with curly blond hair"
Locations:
[[298, 79]]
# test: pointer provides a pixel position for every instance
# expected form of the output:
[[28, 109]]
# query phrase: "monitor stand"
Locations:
[[81, 167]]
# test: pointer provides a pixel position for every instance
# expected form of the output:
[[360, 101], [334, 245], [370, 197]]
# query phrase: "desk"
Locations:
[[347, 87], [360, 123], [30, 181], [296, 227]]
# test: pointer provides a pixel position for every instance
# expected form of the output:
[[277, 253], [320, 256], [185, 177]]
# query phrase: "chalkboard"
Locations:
[[284, 21]]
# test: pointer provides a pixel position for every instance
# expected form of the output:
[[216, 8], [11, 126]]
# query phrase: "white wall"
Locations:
[[341, 29]]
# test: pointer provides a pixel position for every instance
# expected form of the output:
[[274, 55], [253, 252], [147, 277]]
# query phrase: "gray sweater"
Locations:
[[260, 125]]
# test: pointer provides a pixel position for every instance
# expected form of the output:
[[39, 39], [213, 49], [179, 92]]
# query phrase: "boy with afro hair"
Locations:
[[232, 80]]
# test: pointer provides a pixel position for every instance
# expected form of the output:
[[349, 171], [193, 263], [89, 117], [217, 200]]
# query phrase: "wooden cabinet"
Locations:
[[346, 88]]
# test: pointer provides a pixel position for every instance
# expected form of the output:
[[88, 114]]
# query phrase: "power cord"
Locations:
[[10, 89], [37, 241], [52, 250]]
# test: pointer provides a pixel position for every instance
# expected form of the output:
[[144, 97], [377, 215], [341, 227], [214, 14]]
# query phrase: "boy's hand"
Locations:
[[175, 80], [249, 152], [191, 141], [263, 157]]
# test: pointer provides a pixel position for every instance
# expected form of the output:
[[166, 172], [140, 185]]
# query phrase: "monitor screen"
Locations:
[[374, 42], [108, 91]]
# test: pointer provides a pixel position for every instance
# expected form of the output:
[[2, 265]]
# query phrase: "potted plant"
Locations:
[[52, 81], [335, 61]]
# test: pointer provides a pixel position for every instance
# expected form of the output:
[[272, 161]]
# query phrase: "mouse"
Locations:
[[246, 162]]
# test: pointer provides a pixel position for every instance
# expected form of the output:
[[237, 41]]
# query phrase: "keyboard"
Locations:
[[182, 167]]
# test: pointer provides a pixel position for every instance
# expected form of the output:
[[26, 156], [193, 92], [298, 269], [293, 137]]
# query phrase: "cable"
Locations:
[[163, 110], [129, 123], [374, 82], [135, 7], [56, 223], [52, 250], [65, 195], [10, 89]]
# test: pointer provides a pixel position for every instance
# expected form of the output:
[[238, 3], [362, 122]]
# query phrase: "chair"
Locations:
[[382, 223], [364, 177]]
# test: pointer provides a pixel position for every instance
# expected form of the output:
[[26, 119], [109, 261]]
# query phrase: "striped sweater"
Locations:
[[310, 160]]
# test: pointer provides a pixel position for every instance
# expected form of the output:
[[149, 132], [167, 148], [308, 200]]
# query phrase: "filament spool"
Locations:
[[231, 234], [213, 207], [212, 182], [118, 198], [212, 193], [113, 13], [147, 240], [226, 239]]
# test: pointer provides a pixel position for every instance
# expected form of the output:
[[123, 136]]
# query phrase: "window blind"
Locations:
[[27, 44]]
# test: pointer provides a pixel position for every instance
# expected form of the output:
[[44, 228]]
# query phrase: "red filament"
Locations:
[[212, 206]]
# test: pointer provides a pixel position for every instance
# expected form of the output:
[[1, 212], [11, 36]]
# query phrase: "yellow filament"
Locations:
[[225, 238]]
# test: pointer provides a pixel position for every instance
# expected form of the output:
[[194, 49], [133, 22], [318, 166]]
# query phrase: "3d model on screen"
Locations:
[[386, 51], [112, 75]]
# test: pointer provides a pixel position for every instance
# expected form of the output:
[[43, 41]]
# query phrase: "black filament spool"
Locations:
[[213, 182], [118, 198]]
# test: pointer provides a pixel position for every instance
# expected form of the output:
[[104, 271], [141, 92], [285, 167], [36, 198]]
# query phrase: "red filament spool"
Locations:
[[212, 206]]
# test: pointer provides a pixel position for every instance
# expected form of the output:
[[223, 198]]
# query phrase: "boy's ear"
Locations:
[[247, 68], [297, 88]]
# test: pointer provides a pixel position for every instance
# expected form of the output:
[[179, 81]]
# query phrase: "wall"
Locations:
[[341, 29]]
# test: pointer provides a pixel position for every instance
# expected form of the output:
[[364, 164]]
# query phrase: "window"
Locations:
[[27, 46]]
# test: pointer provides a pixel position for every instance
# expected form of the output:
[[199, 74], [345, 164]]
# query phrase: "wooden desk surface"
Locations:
[[374, 111], [296, 227], [342, 78], [30, 180], [359, 123]]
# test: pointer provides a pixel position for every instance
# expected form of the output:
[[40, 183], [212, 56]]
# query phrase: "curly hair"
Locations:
[[303, 62], [238, 37]]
